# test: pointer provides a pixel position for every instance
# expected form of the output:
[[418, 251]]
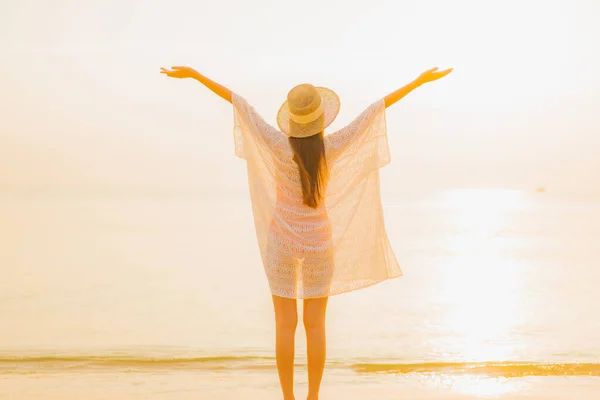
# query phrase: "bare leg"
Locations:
[[286, 320], [314, 324]]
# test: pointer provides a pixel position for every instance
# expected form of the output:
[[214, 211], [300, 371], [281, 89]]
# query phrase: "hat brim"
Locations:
[[331, 108]]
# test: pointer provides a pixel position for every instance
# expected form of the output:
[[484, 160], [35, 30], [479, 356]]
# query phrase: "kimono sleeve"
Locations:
[[364, 139], [249, 125]]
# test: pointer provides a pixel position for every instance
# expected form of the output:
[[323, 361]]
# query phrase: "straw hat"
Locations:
[[308, 110]]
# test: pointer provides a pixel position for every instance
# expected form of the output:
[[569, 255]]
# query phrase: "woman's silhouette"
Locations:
[[317, 211]]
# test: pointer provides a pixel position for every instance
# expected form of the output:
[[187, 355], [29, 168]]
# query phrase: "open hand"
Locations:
[[432, 75], [179, 72]]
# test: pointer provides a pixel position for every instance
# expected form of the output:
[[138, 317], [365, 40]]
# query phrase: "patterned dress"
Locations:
[[340, 246]]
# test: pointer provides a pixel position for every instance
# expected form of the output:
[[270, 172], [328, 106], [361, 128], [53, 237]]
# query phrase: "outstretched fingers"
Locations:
[[174, 73], [444, 72]]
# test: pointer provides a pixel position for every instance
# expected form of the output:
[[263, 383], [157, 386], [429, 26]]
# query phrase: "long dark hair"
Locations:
[[309, 155]]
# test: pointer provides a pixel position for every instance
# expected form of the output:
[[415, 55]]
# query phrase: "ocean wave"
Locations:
[[506, 369], [71, 362], [15, 364]]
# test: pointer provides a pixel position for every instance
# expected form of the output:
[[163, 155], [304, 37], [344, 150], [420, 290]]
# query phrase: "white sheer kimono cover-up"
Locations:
[[340, 246]]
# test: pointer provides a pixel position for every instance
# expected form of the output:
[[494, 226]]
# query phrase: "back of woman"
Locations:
[[316, 206], [317, 213], [299, 254]]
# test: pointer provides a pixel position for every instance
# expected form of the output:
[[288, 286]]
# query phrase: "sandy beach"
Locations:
[[194, 385]]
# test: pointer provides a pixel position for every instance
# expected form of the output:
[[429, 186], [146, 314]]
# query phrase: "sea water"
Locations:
[[499, 298]]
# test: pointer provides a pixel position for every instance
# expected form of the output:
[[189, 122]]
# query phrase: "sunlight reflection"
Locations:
[[483, 310], [481, 199], [482, 289], [479, 215], [480, 386]]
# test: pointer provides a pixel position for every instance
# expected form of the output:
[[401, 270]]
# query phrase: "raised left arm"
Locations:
[[187, 72]]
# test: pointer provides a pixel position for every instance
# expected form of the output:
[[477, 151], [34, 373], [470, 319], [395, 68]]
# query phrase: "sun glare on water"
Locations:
[[481, 199], [483, 286], [480, 386]]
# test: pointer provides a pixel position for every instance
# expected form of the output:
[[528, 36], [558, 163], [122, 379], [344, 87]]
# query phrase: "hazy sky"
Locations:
[[83, 106]]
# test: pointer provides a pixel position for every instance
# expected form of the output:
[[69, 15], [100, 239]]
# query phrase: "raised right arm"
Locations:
[[339, 141], [400, 93], [427, 76]]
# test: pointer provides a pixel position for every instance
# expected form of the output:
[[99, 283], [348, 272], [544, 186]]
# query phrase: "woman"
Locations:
[[317, 211]]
